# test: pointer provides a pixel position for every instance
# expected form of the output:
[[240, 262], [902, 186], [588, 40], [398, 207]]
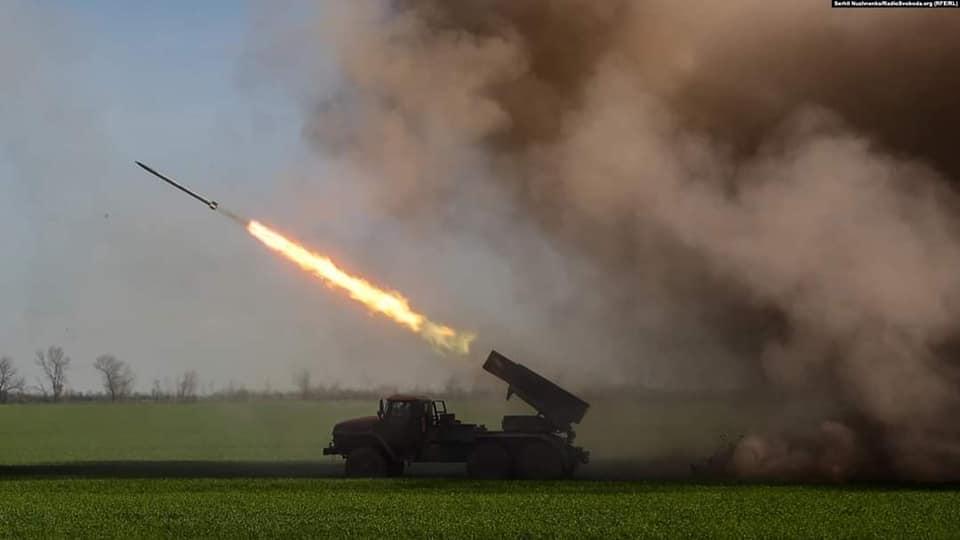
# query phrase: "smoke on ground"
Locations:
[[743, 195]]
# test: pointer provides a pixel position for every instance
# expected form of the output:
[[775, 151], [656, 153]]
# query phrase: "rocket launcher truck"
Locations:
[[414, 429]]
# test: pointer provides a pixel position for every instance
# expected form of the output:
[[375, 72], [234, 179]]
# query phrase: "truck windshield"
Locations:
[[398, 409]]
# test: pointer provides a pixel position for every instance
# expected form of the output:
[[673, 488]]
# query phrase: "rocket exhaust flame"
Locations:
[[391, 304]]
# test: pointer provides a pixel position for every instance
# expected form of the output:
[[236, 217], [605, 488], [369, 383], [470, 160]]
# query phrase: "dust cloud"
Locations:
[[742, 197]]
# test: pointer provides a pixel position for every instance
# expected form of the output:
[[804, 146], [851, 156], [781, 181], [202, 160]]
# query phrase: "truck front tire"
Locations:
[[366, 462]]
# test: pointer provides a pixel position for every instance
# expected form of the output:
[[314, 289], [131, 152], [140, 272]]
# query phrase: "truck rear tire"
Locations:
[[540, 461], [366, 462], [489, 461]]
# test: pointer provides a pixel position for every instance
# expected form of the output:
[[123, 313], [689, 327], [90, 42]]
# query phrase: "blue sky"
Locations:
[[101, 258], [169, 76]]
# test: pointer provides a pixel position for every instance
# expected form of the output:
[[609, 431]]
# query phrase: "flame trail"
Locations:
[[391, 304]]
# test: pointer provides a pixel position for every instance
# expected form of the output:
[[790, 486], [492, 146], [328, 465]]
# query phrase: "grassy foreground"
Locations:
[[458, 509]]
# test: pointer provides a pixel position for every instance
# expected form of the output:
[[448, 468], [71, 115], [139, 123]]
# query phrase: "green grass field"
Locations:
[[255, 469], [298, 430], [460, 509]]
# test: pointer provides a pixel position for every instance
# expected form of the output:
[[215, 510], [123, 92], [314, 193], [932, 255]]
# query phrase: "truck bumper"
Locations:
[[330, 450]]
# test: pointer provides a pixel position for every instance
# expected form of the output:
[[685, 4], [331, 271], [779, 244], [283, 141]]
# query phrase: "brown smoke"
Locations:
[[779, 177]]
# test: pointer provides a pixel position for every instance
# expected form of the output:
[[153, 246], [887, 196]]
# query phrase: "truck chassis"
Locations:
[[416, 429]]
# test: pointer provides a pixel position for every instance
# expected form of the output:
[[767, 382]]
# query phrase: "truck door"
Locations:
[[403, 426]]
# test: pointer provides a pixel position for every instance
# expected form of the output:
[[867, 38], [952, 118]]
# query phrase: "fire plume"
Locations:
[[391, 304]]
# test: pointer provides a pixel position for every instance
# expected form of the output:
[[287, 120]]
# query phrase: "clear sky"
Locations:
[[99, 257]]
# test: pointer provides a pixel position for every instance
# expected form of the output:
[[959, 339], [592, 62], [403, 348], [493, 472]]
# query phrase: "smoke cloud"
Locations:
[[743, 195]]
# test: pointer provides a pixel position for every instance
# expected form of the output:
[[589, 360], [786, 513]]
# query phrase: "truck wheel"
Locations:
[[489, 461], [540, 461], [366, 462]]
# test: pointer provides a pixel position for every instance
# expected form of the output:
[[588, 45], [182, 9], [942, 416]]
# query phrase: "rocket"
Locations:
[[212, 204]]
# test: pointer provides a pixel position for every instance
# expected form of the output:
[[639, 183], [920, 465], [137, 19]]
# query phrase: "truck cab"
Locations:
[[398, 433]]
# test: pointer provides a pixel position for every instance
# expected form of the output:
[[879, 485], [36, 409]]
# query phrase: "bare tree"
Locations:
[[157, 391], [10, 382], [117, 376], [54, 365], [187, 386], [301, 379]]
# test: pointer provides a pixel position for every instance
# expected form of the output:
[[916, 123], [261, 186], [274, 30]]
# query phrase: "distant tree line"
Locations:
[[116, 376], [117, 382]]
